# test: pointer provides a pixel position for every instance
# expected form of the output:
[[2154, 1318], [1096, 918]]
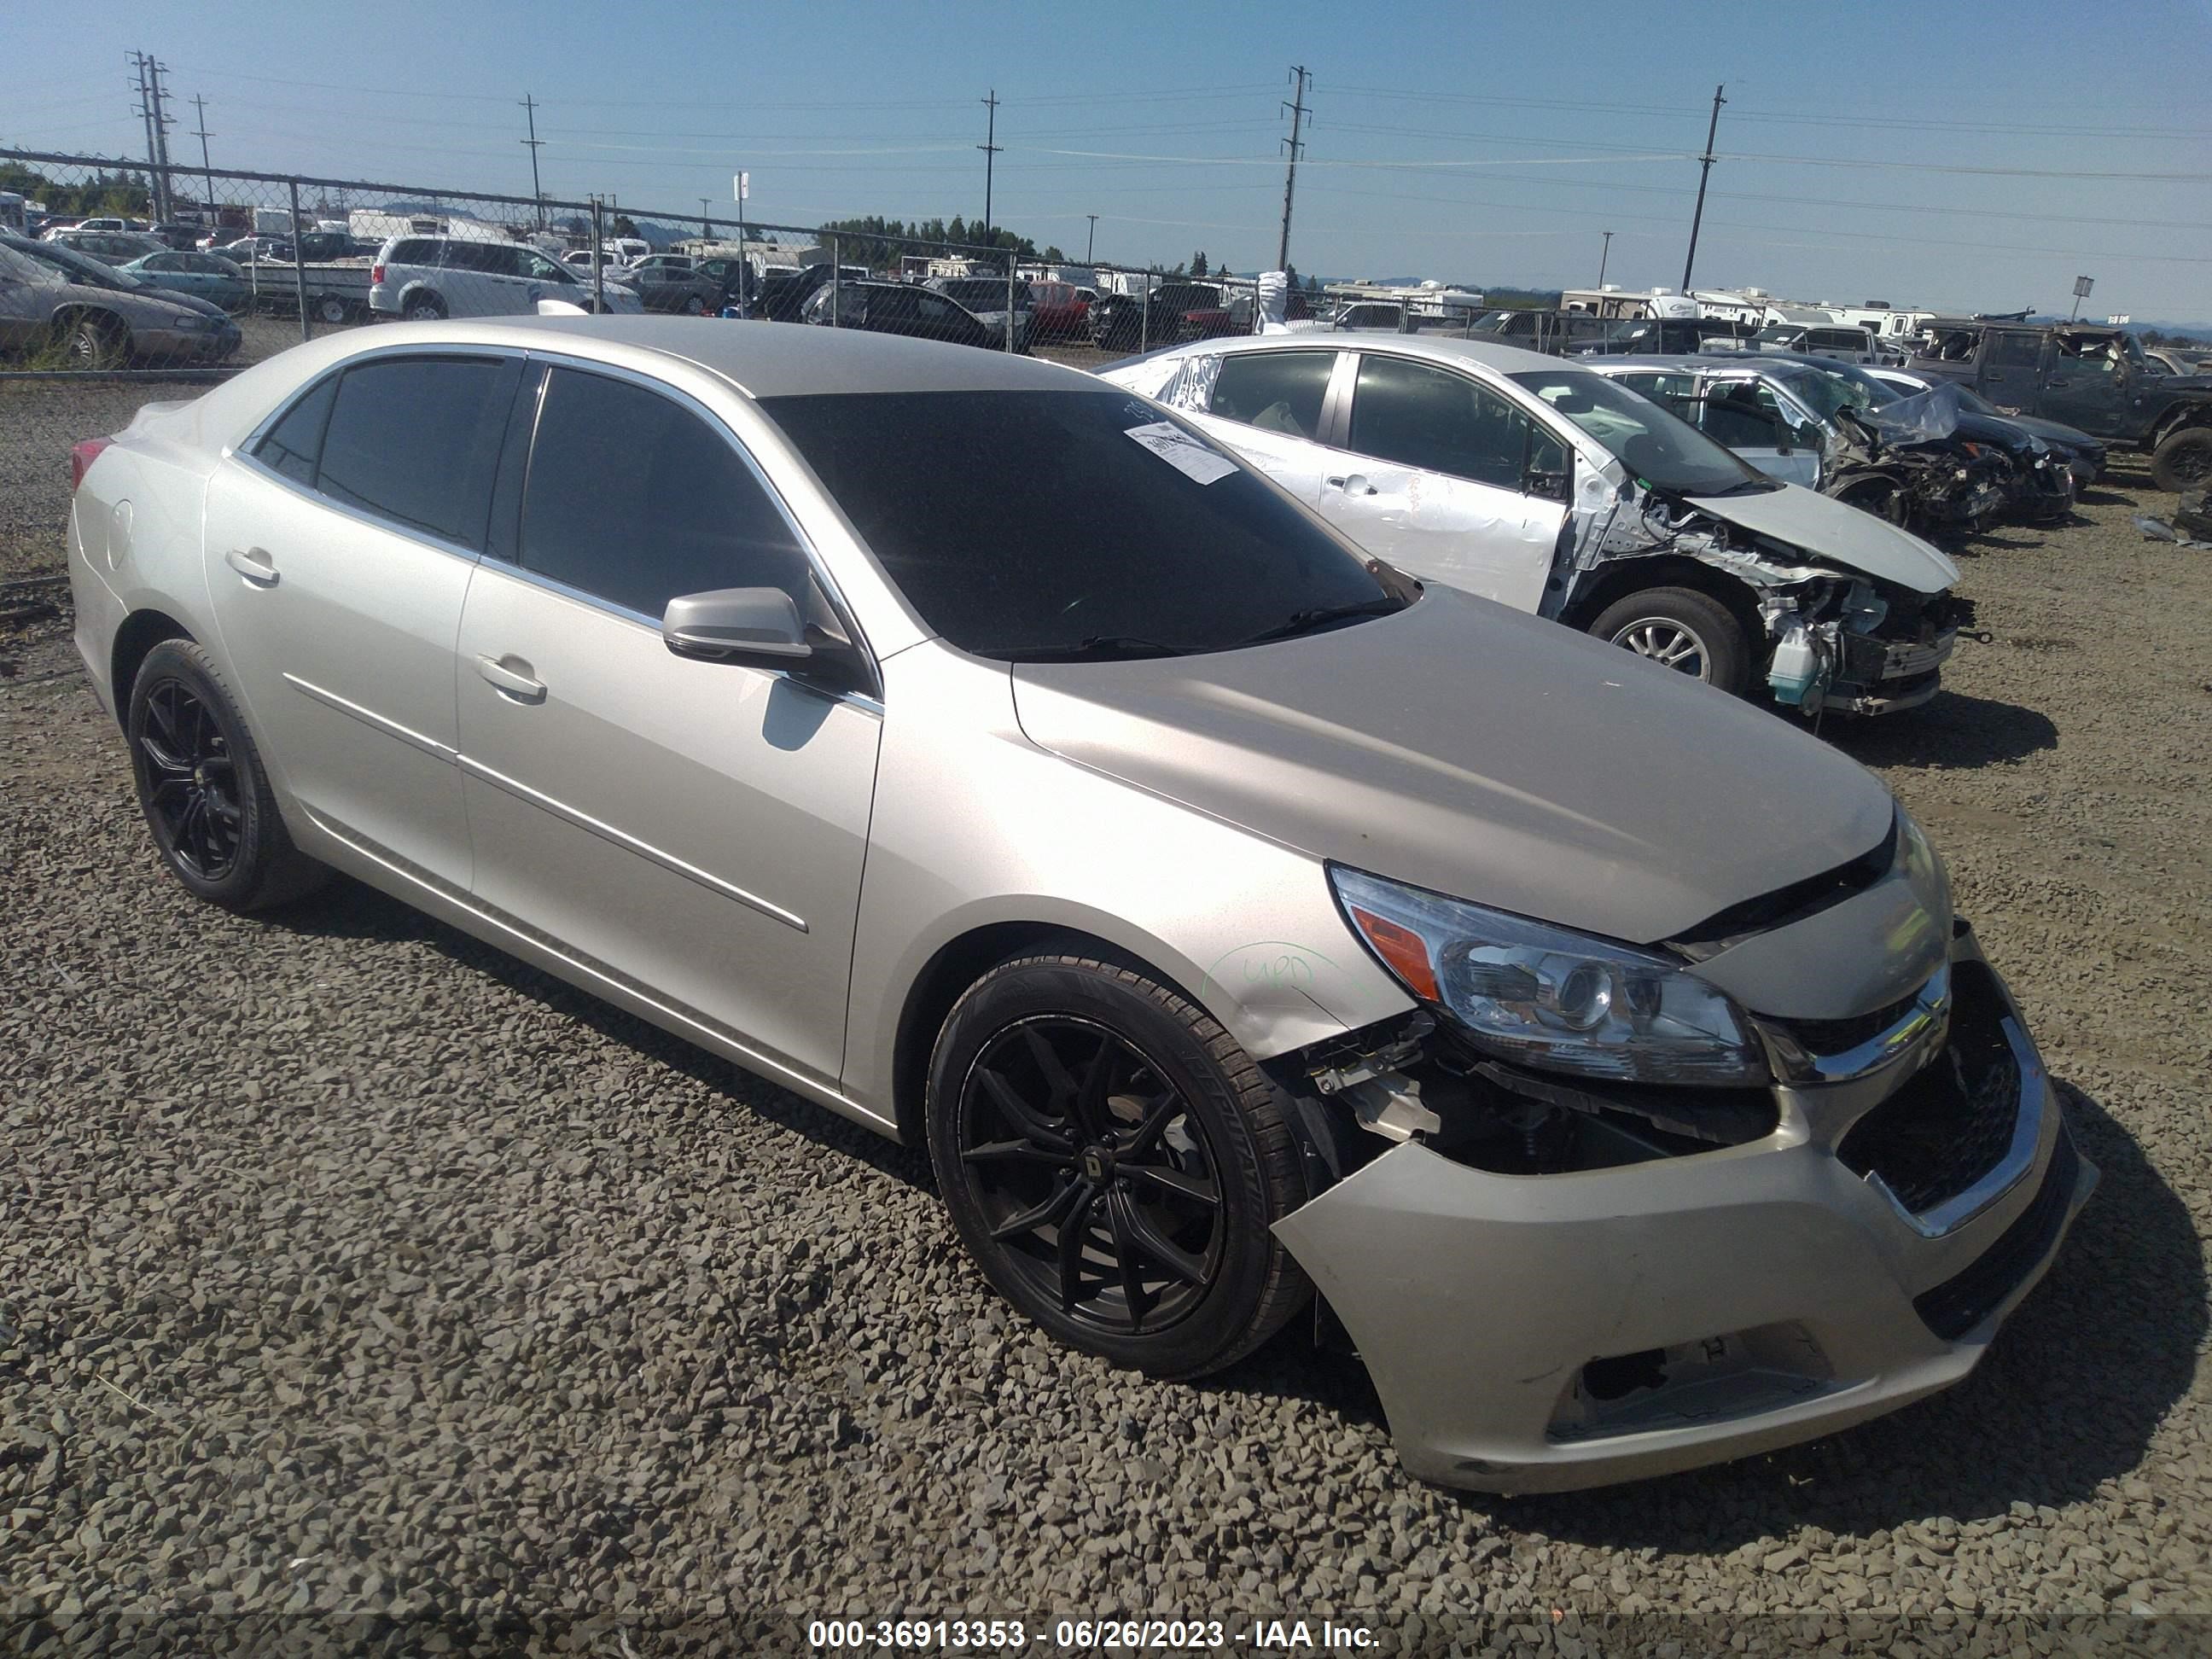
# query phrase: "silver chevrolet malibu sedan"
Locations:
[[984, 752]]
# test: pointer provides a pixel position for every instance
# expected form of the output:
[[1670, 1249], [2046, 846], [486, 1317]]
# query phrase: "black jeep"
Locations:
[[2091, 376]]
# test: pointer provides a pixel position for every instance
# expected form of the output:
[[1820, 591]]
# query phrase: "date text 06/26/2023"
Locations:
[[1086, 1635]]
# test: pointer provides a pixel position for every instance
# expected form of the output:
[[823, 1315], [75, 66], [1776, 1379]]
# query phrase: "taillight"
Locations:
[[376, 275], [82, 456]]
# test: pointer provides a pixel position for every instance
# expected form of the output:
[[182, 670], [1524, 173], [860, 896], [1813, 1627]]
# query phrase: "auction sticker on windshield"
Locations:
[[1183, 452]]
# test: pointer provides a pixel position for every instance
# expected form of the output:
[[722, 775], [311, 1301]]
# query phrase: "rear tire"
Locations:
[[1069, 1092], [331, 310], [1683, 630], [2184, 461], [424, 308], [203, 789]]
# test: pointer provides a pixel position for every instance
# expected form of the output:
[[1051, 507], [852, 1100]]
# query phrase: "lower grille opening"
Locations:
[[1736, 1374], [1964, 1301], [1952, 1122]]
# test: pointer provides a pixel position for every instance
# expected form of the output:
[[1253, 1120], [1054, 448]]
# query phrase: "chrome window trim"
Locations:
[[243, 452]]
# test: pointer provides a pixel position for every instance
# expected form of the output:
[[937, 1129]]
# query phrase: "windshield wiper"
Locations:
[[1320, 615], [1120, 646]]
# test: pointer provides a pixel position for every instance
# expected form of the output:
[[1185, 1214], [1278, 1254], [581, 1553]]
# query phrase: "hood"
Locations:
[[1828, 531], [1479, 752], [2056, 434]]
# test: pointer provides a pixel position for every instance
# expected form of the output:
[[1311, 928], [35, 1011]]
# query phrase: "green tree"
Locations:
[[1197, 263], [1052, 255], [623, 226]]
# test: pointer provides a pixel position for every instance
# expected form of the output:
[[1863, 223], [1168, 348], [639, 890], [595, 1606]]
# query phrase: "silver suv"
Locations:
[[427, 278]]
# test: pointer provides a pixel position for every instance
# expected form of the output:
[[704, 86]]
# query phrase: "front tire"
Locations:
[[695, 307], [1116, 1163], [98, 343], [203, 789], [2184, 461], [1683, 630]]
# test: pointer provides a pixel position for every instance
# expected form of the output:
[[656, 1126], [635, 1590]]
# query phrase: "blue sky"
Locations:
[[1967, 154]]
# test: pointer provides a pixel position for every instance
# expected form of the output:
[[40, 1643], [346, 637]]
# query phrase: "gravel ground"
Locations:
[[347, 1266]]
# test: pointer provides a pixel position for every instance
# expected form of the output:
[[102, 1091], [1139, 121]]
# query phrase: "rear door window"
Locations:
[[1275, 390], [2016, 350], [414, 440], [636, 499]]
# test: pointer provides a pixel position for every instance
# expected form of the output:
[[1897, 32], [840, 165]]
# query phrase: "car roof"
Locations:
[[1504, 359], [764, 360]]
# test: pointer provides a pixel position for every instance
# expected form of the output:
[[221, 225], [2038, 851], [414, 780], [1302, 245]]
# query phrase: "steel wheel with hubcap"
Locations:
[[330, 309], [1115, 1164], [1679, 628]]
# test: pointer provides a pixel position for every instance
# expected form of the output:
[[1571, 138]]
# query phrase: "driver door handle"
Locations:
[[254, 564], [1352, 484], [517, 683]]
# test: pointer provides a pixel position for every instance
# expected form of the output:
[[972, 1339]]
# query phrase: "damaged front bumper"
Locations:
[[1542, 1333]]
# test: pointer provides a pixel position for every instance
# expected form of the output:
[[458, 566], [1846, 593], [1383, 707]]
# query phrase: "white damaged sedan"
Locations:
[[1543, 486]]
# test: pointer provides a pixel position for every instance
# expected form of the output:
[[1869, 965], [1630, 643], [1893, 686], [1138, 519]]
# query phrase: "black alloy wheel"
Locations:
[[206, 798], [191, 782], [1096, 1178], [1116, 1163]]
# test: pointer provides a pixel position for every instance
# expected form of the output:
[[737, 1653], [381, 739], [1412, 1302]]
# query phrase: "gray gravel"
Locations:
[[348, 1265]]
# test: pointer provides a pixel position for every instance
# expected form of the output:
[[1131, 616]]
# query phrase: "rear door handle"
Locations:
[[254, 564], [516, 683], [1354, 484]]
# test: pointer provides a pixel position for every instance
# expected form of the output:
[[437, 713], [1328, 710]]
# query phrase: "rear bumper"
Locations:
[[1545, 1333]]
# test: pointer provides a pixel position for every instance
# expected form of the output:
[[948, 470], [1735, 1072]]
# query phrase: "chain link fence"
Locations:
[[108, 267]]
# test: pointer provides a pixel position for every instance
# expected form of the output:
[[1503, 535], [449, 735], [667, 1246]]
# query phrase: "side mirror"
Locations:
[[758, 626]]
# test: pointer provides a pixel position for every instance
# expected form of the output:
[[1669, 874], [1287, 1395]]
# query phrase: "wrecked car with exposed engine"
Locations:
[[1924, 450], [2094, 376], [1827, 425], [1542, 485], [987, 755]]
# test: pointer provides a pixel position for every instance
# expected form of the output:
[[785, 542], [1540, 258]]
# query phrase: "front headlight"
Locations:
[[1549, 997]]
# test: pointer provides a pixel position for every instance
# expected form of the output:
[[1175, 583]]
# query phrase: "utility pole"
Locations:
[[1604, 256], [990, 148], [705, 202], [1298, 109], [207, 168], [167, 195], [1705, 171], [141, 62], [1091, 240], [537, 191]]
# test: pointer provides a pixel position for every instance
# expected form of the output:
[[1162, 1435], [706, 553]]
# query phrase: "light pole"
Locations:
[[1091, 240], [1604, 255]]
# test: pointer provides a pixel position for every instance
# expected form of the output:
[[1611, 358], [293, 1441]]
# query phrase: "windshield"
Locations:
[[1028, 524], [1663, 451], [1833, 387], [78, 267]]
